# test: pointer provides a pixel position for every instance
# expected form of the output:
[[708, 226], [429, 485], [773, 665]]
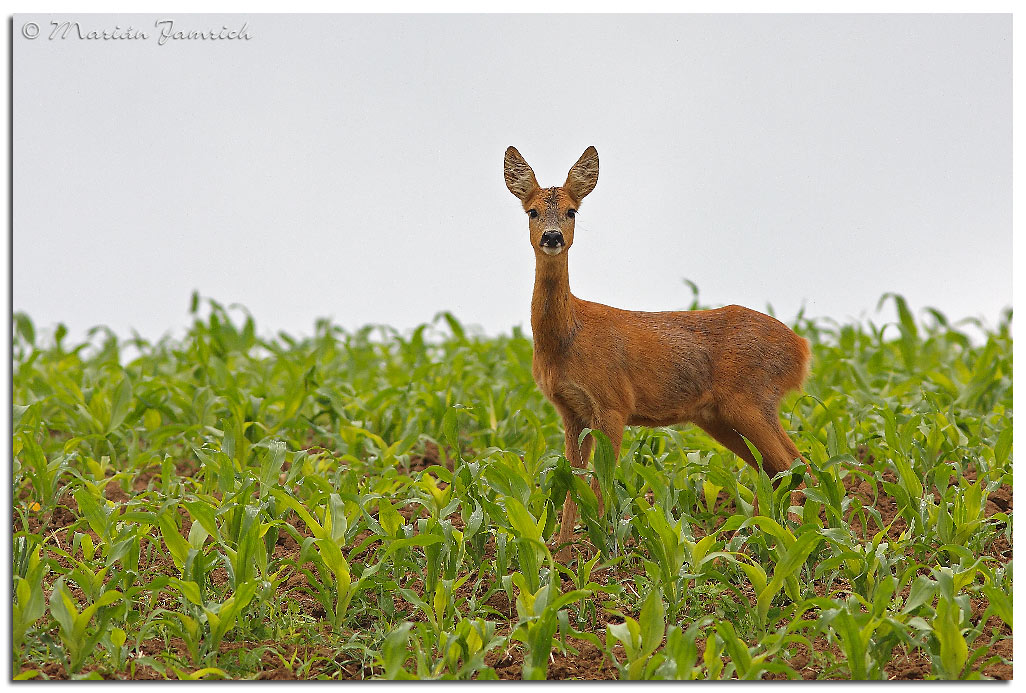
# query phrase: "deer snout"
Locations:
[[552, 241]]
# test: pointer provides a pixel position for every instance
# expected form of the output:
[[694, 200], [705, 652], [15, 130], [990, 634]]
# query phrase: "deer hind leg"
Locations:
[[789, 446], [730, 439], [763, 429], [766, 434], [797, 498]]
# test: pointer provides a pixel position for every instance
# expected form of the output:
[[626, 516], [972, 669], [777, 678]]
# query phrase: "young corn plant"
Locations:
[[78, 639], [640, 639], [29, 599], [328, 539], [540, 608]]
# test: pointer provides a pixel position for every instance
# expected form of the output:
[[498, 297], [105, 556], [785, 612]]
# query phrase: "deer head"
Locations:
[[551, 211]]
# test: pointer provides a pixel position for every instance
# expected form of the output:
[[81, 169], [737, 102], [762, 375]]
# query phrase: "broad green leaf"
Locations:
[[652, 622], [176, 544], [793, 560], [953, 648]]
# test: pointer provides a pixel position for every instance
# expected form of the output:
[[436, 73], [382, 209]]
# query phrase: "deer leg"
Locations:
[[578, 458], [730, 439], [778, 450], [792, 453], [586, 448], [789, 447], [762, 427], [767, 439], [612, 425]]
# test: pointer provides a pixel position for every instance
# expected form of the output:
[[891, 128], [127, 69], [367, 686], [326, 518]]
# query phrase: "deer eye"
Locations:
[[571, 213], [533, 213]]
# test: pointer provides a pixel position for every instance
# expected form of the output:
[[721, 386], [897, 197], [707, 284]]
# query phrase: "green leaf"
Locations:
[[454, 325], [450, 428], [177, 546], [652, 622], [271, 464], [756, 575], [953, 648], [229, 611], [1000, 603], [394, 651], [911, 483], [522, 521], [737, 650], [23, 326], [605, 465], [62, 608], [199, 674], [407, 542], [91, 511], [922, 591], [190, 590], [389, 519], [315, 527], [1003, 447], [121, 404], [854, 642], [151, 419], [205, 514], [791, 563]]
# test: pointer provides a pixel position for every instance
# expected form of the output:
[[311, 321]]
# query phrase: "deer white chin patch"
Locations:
[[550, 250]]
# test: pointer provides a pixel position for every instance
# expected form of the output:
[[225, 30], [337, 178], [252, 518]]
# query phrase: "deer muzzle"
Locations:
[[552, 242]]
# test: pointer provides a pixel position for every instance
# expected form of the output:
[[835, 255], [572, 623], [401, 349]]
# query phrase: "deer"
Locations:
[[602, 368]]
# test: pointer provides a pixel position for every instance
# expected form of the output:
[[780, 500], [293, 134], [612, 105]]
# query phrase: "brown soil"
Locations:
[[590, 664], [419, 463]]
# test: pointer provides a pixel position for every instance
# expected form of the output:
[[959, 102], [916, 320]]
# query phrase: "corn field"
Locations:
[[375, 504]]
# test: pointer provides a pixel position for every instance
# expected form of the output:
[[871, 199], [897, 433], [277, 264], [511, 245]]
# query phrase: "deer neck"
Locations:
[[552, 306]]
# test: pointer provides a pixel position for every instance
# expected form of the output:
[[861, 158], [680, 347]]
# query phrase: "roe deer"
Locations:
[[725, 370]]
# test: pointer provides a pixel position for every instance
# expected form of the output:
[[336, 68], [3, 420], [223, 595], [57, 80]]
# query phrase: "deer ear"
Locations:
[[519, 177], [583, 175]]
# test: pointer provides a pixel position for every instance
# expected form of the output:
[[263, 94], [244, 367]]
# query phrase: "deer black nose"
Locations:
[[552, 239]]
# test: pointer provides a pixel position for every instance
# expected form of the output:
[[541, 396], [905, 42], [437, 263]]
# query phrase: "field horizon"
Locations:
[[974, 326]]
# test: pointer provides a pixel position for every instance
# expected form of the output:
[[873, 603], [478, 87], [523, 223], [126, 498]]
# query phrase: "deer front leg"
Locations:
[[577, 457], [612, 425]]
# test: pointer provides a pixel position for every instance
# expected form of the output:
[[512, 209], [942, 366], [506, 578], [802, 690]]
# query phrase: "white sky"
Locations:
[[351, 166]]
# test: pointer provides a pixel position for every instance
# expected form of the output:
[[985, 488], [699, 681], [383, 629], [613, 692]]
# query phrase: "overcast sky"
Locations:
[[351, 166]]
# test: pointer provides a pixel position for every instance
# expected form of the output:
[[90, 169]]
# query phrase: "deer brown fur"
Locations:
[[725, 370]]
